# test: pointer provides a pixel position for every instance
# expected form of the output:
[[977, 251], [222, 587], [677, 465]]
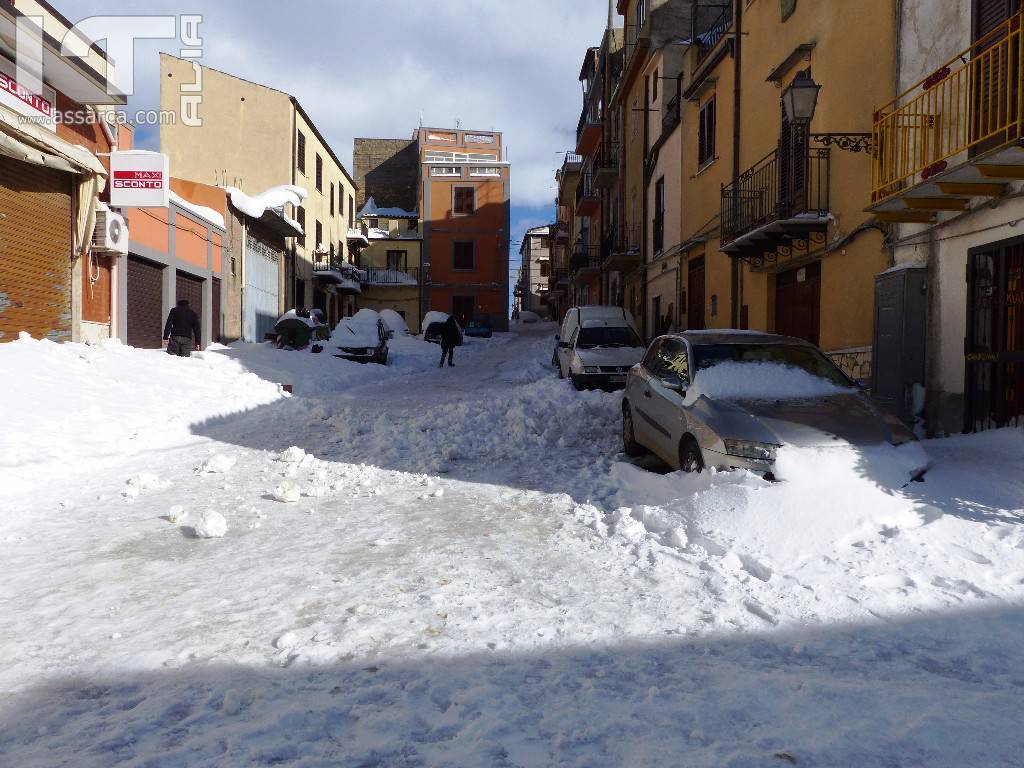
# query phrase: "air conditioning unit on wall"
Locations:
[[111, 233]]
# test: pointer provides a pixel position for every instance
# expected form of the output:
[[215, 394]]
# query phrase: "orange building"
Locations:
[[174, 253], [465, 211]]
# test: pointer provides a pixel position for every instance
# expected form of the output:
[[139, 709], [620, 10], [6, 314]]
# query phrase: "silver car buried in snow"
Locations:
[[691, 433]]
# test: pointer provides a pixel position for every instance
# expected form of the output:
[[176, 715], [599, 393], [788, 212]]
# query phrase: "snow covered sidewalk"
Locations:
[[456, 567]]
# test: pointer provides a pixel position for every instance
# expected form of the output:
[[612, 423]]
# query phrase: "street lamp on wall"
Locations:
[[800, 101]]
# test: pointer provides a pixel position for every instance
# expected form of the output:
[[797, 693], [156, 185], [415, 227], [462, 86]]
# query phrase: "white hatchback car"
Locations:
[[597, 346]]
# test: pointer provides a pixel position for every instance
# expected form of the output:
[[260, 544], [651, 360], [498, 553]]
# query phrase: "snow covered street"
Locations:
[[427, 567]]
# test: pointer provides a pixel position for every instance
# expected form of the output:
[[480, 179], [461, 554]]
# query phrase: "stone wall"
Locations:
[[388, 171]]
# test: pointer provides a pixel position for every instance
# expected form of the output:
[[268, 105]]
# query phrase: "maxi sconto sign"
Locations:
[[139, 179], [38, 107]]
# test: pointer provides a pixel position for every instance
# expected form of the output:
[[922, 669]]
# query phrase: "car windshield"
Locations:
[[613, 336], [797, 356]]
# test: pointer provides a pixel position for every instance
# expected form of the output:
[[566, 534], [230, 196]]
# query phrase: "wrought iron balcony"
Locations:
[[955, 135], [585, 258], [784, 196], [711, 22], [588, 199], [383, 276], [606, 168], [589, 129]]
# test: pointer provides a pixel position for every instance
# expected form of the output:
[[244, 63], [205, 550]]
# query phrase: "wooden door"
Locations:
[[995, 338], [798, 303], [996, 80], [463, 309], [695, 295]]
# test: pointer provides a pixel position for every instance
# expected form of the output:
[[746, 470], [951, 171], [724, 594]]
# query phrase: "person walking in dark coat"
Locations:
[[450, 335], [181, 329]]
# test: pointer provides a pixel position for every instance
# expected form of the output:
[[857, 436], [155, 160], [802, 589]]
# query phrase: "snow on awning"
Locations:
[[268, 207], [33, 144]]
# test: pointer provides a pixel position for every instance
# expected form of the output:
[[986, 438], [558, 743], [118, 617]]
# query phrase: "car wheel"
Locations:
[[691, 459], [630, 446], [578, 383]]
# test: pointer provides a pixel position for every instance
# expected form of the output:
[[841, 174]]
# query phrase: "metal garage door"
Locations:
[[145, 301], [262, 275], [216, 313], [191, 288], [35, 251]]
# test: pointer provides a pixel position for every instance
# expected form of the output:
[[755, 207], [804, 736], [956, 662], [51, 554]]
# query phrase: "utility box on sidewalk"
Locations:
[[898, 365]]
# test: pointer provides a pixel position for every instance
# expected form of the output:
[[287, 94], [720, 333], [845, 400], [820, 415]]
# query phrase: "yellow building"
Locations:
[[254, 137], [756, 217], [391, 262]]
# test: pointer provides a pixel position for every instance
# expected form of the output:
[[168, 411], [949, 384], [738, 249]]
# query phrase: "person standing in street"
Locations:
[[449, 340], [181, 332]]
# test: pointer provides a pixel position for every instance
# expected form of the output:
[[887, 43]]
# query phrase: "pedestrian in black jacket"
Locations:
[[181, 329], [450, 335]]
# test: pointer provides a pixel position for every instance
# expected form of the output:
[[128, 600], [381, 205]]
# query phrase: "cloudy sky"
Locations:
[[374, 69]]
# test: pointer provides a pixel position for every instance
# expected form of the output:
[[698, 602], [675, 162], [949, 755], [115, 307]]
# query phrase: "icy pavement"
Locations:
[[415, 566]]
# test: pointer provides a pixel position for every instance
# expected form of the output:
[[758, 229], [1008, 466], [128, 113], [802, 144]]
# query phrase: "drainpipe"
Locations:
[[735, 275]]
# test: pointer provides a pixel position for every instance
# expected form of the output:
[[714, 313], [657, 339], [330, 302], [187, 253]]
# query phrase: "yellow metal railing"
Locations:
[[971, 104]]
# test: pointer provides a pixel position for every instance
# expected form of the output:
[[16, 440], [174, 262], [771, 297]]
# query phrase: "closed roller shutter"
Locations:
[[216, 324], [35, 251], [191, 288], [145, 303]]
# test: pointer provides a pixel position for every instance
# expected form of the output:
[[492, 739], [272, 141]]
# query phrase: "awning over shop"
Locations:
[[33, 144]]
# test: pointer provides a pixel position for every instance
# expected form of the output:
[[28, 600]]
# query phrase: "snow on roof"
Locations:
[[273, 199], [373, 211], [204, 213]]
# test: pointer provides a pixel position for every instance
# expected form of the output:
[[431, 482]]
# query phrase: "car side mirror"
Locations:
[[557, 337], [675, 385]]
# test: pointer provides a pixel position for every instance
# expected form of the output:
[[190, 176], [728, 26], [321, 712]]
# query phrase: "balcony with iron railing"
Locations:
[[620, 249], [389, 277], [784, 196], [334, 269], [586, 258], [711, 23], [606, 165], [588, 198], [957, 134], [590, 128]]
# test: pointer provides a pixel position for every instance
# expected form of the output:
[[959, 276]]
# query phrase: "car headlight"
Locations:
[[591, 369], [749, 449]]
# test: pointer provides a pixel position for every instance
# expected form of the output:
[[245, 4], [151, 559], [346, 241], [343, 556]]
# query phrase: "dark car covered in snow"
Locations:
[[363, 340]]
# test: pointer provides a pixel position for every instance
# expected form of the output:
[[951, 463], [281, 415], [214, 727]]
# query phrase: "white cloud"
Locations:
[[374, 70]]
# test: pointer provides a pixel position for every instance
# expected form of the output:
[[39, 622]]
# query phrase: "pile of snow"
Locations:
[[395, 322], [528, 317], [123, 401], [759, 381], [211, 525]]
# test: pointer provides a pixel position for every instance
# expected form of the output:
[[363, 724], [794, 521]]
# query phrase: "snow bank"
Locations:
[[69, 408], [759, 381]]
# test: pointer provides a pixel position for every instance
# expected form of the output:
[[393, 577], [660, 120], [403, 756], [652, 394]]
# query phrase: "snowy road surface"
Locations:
[[457, 568]]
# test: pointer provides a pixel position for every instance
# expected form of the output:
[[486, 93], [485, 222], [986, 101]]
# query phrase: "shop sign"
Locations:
[[139, 179]]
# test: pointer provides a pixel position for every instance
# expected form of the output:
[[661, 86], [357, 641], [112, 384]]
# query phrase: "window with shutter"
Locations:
[[319, 174], [465, 201], [300, 152], [332, 200], [706, 133]]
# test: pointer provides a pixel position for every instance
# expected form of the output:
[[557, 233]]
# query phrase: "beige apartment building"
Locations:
[[254, 137]]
